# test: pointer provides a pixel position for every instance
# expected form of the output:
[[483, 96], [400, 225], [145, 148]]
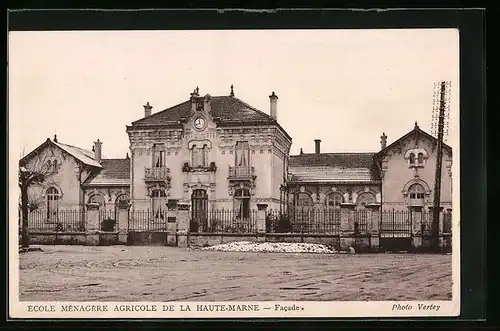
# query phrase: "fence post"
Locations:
[[347, 225], [182, 224], [441, 229], [374, 226], [261, 221], [416, 230], [92, 226], [172, 222], [122, 220]]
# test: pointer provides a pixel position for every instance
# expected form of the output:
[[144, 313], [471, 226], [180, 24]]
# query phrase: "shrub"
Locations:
[[108, 225]]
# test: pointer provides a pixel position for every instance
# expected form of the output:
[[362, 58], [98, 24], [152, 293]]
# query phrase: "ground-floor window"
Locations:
[[159, 204], [52, 204], [417, 195], [242, 203]]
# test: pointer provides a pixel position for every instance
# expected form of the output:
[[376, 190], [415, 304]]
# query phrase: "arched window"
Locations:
[[52, 203], [417, 195], [123, 198], [48, 165], [333, 200], [55, 165], [364, 199], [159, 204], [97, 198], [303, 200], [242, 203], [420, 158], [412, 159]]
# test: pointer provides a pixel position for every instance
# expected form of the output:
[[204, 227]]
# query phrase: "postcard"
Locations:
[[234, 173]]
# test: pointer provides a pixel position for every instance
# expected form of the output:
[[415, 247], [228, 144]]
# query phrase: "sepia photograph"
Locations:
[[234, 173]]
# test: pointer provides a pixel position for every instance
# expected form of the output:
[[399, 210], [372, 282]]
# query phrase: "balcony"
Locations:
[[241, 173], [157, 174]]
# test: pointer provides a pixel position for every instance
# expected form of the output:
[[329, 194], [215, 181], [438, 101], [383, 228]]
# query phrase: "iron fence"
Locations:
[[226, 221], [361, 221], [304, 220], [148, 221], [56, 221], [395, 224]]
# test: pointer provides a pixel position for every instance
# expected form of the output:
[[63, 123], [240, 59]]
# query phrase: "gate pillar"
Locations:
[[122, 221], [261, 221], [416, 215], [182, 224], [93, 224], [347, 225], [374, 225], [172, 222]]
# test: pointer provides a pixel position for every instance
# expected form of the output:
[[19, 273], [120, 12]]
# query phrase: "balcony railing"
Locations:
[[241, 173], [157, 173]]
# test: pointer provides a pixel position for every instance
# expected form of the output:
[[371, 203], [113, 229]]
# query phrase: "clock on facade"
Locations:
[[199, 123]]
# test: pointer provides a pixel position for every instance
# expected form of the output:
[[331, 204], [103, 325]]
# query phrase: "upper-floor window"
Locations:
[[242, 155], [412, 159], [416, 157], [420, 159], [159, 156], [199, 156]]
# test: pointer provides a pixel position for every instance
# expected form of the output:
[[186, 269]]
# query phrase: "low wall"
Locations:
[[147, 238], [73, 238], [361, 243]]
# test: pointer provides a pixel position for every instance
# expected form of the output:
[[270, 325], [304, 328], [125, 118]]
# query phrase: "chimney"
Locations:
[[383, 141], [147, 109], [98, 150], [274, 105], [55, 138], [301, 151], [195, 105], [317, 143]]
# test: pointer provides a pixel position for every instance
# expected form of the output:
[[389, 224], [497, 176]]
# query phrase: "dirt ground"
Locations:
[[124, 273]]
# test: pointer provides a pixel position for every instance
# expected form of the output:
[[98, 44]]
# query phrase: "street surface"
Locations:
[[125, 273]]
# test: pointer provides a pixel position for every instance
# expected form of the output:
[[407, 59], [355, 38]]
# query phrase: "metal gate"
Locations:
[[199, 211], [396, 230]]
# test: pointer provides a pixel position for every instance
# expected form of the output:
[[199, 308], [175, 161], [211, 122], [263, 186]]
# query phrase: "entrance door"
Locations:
[[199, 204]]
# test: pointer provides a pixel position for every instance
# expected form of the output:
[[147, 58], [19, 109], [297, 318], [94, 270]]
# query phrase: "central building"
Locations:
[[215, 153]]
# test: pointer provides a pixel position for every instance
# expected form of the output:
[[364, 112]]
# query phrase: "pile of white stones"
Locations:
[[248, 246]]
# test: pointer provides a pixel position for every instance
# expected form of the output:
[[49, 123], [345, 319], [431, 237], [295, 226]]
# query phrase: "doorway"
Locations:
[[199, 211]]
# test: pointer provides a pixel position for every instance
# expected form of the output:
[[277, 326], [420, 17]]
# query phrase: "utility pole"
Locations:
[[436, 210]]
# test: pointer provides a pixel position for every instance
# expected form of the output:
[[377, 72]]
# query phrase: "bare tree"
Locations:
[[31, 174]]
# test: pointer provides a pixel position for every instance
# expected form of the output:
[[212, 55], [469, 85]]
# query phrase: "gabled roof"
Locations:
[[333, 167], [228, 109], [416, 130], [114, 172], [82, 155]]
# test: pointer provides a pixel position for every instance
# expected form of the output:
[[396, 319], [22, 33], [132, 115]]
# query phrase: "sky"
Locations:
[[344, 87]]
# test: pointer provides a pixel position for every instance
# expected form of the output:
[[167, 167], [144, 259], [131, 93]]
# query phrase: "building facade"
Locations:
[[219, 153], [210, 152], [75, 177]]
